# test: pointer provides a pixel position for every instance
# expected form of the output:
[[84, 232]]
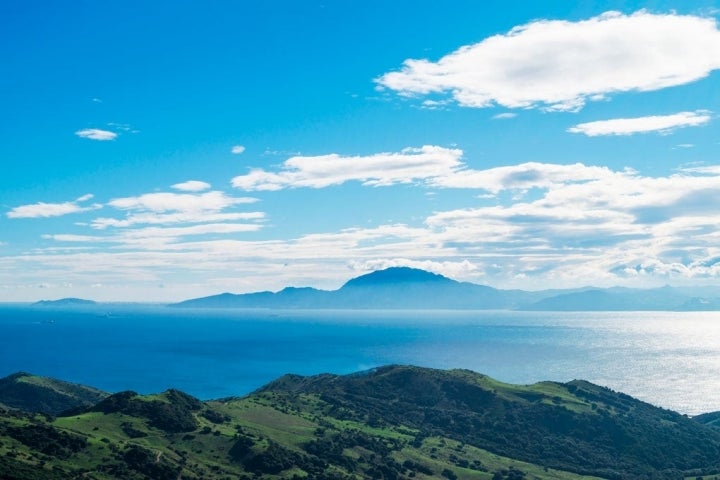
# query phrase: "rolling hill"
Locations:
[[34, 393], [392, 422]]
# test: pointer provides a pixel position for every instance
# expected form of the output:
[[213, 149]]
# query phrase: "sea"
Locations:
[[669, 359]]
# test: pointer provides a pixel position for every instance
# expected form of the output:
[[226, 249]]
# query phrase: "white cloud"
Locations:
[[213, 201], [655, 123], [522, 177], [452, 269], [44, 210], [504, 116], [96, 134], [173, 218], [382, 169], [434, 104], [168, 208], [150, 235], [237, 149], [578, 224], [559, 65], [63, 237], [150, 238], [192, 186], [595, 230]]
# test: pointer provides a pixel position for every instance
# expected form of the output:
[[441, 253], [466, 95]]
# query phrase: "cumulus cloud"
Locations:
[[96, 134], [578, 224], [656, 123], [44, 210], [192, 186], [382, 169], [604, 229], [560, 65], [583, 225], [237, 149]]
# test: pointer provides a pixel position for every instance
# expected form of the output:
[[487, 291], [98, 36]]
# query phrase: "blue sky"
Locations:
[[156, 151]]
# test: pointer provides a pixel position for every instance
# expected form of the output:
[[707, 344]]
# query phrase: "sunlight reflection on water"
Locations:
[[668, 359]]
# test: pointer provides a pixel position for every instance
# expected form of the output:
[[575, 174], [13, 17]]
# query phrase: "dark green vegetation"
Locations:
[[391, 423], [46, 395], [409, 288]]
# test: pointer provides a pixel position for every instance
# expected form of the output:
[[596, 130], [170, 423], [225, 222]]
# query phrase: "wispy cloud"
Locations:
[[382, 169], [504, 116], [213, 201], [192, 186], [523, 176], [156, 238], [96, 134], [42, 209], [237, 149], [560, 65], [173, 218], [449, 268], [168, 208], [656, 123]]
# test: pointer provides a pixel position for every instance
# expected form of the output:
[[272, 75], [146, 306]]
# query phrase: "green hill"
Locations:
[[33, 393], [389, 423]]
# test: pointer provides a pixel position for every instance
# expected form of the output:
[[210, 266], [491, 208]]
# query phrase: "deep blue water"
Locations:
[[668, 359]]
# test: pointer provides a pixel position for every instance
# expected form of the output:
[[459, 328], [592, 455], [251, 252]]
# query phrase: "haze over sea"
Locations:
[[666, 358]]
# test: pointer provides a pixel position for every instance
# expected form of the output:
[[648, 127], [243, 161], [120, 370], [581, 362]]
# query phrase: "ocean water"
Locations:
[[668, 359]]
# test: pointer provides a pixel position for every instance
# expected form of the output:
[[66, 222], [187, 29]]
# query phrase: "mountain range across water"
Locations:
[[410, 288]]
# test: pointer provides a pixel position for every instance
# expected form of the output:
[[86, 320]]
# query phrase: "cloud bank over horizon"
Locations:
[[568, 223]]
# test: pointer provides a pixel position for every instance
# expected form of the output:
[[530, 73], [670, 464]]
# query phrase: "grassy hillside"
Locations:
[[392, 423], [46, 395]]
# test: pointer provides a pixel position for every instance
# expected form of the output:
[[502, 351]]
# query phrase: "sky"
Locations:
[[159, 151]]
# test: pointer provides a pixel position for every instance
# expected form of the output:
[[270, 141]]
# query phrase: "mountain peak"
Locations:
[[397, 275]]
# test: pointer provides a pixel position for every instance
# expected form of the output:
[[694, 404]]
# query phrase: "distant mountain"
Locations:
[[33, 393], [612, 299], [64, 302], [290, 297], [396, 287], [393, 422], [700, 304], [711, 419], [410, 288]]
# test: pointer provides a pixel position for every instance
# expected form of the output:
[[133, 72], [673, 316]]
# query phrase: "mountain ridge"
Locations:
[[411, 288]]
